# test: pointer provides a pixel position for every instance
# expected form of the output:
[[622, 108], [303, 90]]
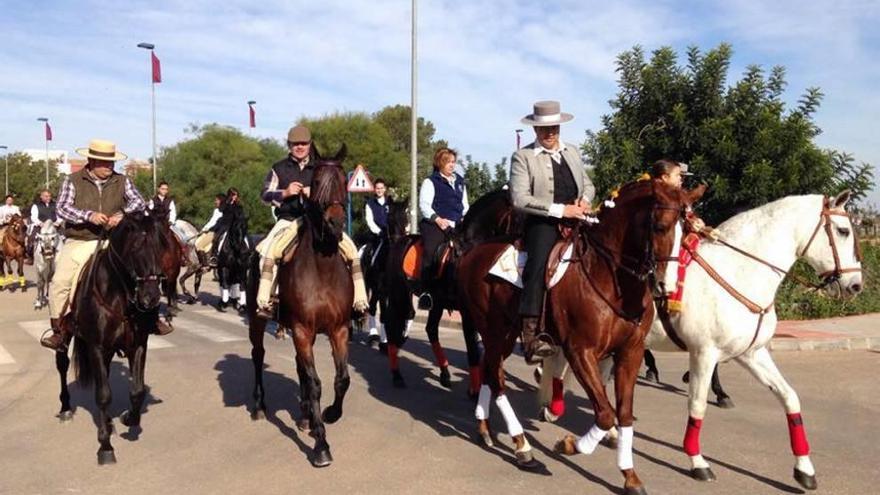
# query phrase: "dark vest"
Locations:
[[163, 204], [448, 200], [288, 171], [565, 190], [45, 212], [109, 200], [380, 212]]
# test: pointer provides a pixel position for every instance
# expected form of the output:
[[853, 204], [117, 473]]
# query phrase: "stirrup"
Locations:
[[44, 340]]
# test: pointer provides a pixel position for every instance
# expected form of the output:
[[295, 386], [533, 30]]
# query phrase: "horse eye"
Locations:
[[843, 231]]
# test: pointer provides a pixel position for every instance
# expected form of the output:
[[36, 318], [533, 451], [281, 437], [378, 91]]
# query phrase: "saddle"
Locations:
[[415, 251]]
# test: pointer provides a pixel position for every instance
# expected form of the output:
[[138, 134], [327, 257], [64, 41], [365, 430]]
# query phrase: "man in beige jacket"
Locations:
[[549, 183]]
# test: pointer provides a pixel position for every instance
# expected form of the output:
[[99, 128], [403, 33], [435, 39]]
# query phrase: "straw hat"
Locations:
[[101, 149], [546, 113]]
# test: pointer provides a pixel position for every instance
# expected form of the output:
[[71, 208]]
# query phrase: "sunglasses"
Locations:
[[291, 144]]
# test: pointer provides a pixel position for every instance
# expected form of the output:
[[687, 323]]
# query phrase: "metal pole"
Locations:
[[414, 200], [6, 175], [153, 97], [349, 204], [47, 161]]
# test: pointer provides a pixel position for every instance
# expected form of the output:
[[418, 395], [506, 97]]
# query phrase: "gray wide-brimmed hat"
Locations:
[[685, 169], [546, 113]]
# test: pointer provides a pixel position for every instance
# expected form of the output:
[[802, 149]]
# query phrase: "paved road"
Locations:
[[198, 436]]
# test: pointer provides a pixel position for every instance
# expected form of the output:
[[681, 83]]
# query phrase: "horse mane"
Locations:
[[482, 219], [326, 190]]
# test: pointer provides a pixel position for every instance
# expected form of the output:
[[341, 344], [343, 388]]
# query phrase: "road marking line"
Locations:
[[5, 357], [232, 317], [205, 331], [36, 328]]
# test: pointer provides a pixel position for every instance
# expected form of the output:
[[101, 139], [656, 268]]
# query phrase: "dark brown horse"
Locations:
[[171, 261], [602, 306], [114, 309], [13, 249], [316, 293]]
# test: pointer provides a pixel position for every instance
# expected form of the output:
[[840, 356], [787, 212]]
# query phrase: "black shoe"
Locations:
[[445, 378], [221, 306], [425, 302], [383, 348], [535, 347]]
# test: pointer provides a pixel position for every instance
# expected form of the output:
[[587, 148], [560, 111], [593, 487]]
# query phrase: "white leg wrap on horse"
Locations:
[[224, 295], [373, 329], [482, 410], [383, 337], [513, 426], [587, 443], [804, 464], [406, 329], [625, 448]]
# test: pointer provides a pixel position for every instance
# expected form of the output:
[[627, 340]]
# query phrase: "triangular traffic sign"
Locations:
[[360, 182]]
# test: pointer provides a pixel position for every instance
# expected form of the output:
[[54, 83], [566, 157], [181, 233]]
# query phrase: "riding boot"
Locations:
[[163, 327], [266, 289], [533, 346], [56, 341], [361, 303]]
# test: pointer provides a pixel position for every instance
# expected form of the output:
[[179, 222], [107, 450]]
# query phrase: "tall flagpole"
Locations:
[[45, 122], [413, 143], [149, 47]]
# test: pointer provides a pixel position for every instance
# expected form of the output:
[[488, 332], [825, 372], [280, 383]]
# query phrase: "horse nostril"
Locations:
[[856, 288]]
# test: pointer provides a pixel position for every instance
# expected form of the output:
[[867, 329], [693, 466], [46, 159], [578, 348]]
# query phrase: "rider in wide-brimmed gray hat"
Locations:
[[548, 182]]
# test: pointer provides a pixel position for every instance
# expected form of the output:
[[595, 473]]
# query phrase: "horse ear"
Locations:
[[317, 152], [340, 155], [840, 201], [696, 193]]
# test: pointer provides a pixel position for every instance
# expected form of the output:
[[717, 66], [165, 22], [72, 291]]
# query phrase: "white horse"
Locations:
[[47, 244], [718, 326]]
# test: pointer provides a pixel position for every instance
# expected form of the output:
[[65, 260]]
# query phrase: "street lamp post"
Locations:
[[518, 132], [6, 176], [45, 122], [413, 143], [150, 47]]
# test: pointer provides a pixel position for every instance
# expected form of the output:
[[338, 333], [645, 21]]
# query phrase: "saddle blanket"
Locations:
[[510, 266]]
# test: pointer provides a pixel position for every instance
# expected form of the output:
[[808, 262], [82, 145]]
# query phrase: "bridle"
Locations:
[[825, 215], [130, 277]]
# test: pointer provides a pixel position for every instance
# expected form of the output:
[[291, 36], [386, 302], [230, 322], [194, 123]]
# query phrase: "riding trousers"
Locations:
[[69, 263], [540, 236], [204, 241]]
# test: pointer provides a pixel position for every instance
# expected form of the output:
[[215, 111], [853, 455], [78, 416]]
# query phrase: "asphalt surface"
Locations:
[[198, 437]]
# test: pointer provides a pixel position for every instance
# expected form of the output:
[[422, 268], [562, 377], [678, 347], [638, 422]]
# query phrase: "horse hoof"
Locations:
[[725, 403], [331, 414], [445, 378], [486, 437], [106, 457], [537, 374], [65, 416], [686, 377], [397, 379], [383, 348], [322, 458], [566, 446], [127, 419], [258, 414], [548, 416], [807, 481], [635, 491], [303, 425], [703, 474], [652, 376], [525, 460], [610, 442]]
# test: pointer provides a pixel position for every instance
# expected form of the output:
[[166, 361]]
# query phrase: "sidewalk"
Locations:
[[860, 332]]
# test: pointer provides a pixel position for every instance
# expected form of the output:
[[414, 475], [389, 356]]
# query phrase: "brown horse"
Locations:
[[13, 249], [315, 296], [602, 306]]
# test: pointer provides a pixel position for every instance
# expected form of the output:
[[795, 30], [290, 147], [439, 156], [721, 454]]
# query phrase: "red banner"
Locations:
[[157, 69], [48, 132], [253, 116]]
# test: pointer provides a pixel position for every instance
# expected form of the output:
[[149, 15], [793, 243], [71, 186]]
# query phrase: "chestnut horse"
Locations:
[[13, 249], [316, 293], [114, 309], [602, 306]]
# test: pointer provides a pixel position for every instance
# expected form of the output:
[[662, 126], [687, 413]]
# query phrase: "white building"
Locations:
[[57, 156]]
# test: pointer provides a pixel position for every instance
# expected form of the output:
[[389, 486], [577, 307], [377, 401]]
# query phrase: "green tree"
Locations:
[[740, 139], [397, 120], [477, 177], [499, 178], [27, 178]]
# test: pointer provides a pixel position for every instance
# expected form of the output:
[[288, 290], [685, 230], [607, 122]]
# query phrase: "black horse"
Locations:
[[114, 309], [232, 259]]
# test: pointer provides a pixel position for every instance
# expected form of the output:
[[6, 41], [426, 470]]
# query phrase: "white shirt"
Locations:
[[426, 198], [35, 215], [6, 212], [213, 221], [172, 210], [368, 213]]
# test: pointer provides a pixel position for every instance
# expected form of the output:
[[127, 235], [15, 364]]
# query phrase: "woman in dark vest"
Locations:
[[162, 202], [443, 202]]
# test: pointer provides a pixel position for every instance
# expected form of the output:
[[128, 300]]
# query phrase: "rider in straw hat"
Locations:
[[548, 183], [90, 200]]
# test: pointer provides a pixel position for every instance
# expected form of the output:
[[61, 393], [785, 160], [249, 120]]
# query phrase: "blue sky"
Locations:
[[482, 64]]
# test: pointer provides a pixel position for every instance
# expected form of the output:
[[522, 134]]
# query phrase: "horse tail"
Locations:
[[82, 364]]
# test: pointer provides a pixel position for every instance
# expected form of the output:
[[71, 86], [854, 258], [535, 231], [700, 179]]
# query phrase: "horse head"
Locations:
[[135, 250], [47, 238], [837, 258], [16, 228], [398, 218], [328, 194]]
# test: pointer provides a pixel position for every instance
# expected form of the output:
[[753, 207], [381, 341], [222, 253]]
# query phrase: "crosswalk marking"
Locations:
[[156, 342], [231, 317], [207, 332], [5, 357]]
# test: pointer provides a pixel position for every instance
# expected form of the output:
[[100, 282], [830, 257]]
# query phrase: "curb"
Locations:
[[777, 344]]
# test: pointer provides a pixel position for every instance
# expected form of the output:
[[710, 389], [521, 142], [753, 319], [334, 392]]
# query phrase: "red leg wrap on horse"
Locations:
[[799, 444], [476, 380], [557, 403], [392, 356], [692, 436], [439, 354]]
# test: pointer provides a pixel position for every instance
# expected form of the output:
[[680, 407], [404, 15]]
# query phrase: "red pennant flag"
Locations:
[[48, 132], [157, 69], [253, 115]]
